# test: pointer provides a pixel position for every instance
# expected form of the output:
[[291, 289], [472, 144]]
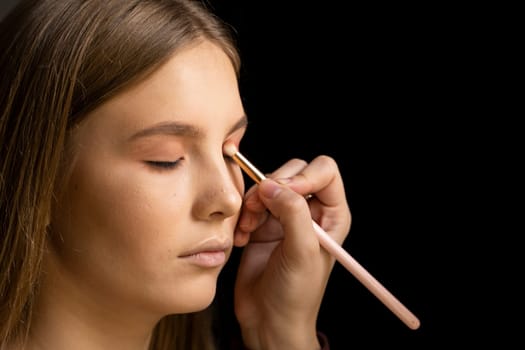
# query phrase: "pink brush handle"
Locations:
[[366, 278], [338, 252]]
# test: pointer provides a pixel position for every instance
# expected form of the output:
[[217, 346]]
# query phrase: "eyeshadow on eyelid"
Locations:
[[165, 149]]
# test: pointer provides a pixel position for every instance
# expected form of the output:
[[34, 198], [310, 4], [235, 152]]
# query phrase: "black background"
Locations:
[[395, 93], [404, 97]]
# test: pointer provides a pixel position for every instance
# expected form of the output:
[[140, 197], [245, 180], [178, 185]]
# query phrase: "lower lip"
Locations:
[[207, 259]]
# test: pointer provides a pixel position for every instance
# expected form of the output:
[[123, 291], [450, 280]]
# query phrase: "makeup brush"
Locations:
[[340, 254]]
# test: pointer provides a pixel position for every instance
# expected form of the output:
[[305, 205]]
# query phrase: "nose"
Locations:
[[220, 191]]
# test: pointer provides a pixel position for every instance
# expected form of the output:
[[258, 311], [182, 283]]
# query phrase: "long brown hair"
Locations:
[[59, 59]]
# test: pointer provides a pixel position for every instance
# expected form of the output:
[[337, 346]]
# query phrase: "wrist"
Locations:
[[279, 338]]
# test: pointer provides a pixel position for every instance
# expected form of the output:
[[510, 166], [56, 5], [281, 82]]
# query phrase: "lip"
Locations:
[[209, 253]]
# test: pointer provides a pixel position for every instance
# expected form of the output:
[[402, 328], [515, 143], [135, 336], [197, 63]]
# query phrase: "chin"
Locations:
[[195, 296]]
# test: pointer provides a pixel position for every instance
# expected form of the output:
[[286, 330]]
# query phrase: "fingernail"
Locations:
[[269, 188], [284, 181]]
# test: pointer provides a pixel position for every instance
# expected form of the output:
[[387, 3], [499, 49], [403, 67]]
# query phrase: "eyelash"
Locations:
[[163, 165]]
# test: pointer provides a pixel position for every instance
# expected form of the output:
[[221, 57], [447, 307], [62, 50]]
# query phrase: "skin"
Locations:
[[284, 271], [142, 197], [122, 224]]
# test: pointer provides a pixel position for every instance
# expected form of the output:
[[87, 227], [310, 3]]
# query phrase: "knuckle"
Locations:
[[327, 162], [297, 162]]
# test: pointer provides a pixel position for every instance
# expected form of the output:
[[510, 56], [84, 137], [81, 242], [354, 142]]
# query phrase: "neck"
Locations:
[[63, 326], [69, 315]]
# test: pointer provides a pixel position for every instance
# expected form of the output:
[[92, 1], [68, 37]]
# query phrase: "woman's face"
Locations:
[[146, 219]]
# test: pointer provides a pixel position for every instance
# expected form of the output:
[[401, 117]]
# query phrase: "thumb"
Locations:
[[293, 213]]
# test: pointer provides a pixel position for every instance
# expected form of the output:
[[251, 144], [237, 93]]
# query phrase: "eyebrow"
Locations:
[[183, 129]]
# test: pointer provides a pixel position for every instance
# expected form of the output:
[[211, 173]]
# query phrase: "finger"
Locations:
[[329, 207], [292, 212], [288, 169], [254, 211], [321, 177], [246, 229]]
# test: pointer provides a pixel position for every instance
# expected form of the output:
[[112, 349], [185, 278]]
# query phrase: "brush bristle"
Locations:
[[229, 149]]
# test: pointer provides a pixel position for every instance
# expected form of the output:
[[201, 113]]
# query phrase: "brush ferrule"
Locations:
[[248, 167]]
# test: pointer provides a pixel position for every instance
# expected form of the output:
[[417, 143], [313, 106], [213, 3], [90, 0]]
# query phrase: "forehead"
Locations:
[[197, 85]]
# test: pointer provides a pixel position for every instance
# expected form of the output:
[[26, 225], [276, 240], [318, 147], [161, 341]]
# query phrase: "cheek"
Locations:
[[118, 216]]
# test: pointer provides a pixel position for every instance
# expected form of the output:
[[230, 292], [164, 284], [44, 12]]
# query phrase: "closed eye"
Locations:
[[162, 165]]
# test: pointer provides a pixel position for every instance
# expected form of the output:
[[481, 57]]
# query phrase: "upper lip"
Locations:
[[214, 244]]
